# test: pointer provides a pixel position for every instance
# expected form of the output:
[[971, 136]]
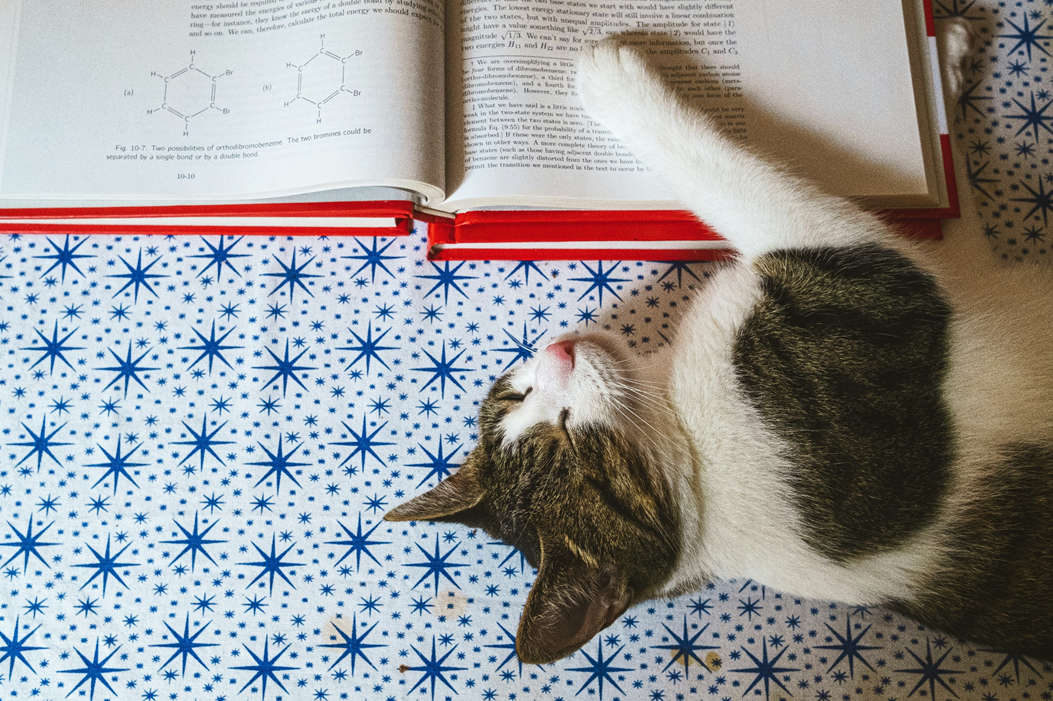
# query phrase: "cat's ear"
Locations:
[[570, 602], [456, 498]]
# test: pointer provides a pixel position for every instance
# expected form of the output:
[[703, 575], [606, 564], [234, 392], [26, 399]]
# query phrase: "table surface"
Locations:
[[201, 435]]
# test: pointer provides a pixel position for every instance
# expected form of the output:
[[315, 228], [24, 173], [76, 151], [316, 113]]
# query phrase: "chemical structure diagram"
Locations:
[[321, 78], [189, 92]]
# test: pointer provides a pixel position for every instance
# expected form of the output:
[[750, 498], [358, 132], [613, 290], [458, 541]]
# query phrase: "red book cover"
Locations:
[[381, 218], [523, 234], [654, 234]]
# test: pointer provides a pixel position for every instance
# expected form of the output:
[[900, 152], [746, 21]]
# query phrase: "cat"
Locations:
[[843, 415]]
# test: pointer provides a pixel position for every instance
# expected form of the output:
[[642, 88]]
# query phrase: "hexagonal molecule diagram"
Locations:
[[322, 78], [189, 93]]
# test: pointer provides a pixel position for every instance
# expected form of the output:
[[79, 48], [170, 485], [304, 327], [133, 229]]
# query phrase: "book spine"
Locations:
[[380, 208], [542, 236], [560, 226], [58, 220], [441, 253], [402, 227]]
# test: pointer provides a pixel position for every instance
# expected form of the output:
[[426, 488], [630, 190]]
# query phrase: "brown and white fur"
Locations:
[[843, 415]]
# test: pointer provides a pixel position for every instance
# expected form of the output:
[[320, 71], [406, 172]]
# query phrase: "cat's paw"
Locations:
[[615, 82], [956, 40]]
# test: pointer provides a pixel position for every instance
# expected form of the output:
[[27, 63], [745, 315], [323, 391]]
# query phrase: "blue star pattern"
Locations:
[[1003, 122], [202, 434]]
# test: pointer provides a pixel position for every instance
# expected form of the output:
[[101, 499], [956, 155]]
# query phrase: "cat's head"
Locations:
[[567, 470]]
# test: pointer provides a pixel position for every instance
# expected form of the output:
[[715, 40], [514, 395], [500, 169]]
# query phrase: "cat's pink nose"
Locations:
[[557, 362], [562, 353]]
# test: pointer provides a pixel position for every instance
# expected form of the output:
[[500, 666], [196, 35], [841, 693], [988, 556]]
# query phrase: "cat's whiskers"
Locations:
[[643, 404], [628, 413], [650, 391], [653, 400], [639, 409]]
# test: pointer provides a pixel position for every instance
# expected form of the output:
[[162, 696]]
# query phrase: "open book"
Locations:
[[354, 116]]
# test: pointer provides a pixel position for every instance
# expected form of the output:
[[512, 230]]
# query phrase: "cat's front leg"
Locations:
[[757, 206]]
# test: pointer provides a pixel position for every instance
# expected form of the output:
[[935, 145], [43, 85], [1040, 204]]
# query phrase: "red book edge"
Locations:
[[642, 226], [528, 226], [401, 211], [540, 227]]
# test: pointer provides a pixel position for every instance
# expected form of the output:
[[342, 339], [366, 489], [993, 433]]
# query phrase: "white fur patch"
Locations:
[[594, 392], [756, 206], [728, 473]]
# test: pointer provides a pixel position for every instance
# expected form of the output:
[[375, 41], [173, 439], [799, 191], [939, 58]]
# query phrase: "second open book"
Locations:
[[351, 116]]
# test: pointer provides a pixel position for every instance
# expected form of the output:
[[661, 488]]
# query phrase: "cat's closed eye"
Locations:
[[515, 396], [563, 416]]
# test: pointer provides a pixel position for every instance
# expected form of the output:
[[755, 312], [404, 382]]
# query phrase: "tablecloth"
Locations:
[[201, 434]]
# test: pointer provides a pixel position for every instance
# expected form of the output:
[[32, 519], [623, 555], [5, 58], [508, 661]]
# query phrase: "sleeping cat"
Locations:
[[844, 415]]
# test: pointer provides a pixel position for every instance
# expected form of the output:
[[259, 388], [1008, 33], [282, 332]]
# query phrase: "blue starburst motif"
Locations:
[[765, 670], [679, 267], [930, 671], [265, 668], [434, 669], [1041, 200], [203, 442], [374, 258], [969, 100], [522, 348], [368, 348], [279, 465], [357, 543], [363, 443], [14, 649], [512, 552], [65, 257], [27, 544], [446, 279], [219, 256], [684, 648], [443, 370], [138, 276], [954, 9], [1027, 37], [194, 543], [698, 606], [292, 276], [510, 646], [1016, 659], [354, 644], [1034, 234], [750, 608], [436, 565], [106, 566], [41, 444], [1033, 117], [526, 266], [849, 647], [978, 180], [600, 669], [185, 645], [440, 464], [94, 671], [600, 280], [272, 565], [117, 465], [54, 349], [127, 369], [211, 347], [284, 368]]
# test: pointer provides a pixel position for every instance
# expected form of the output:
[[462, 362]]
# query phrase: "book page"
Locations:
[[196, 100], [825, 87]]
